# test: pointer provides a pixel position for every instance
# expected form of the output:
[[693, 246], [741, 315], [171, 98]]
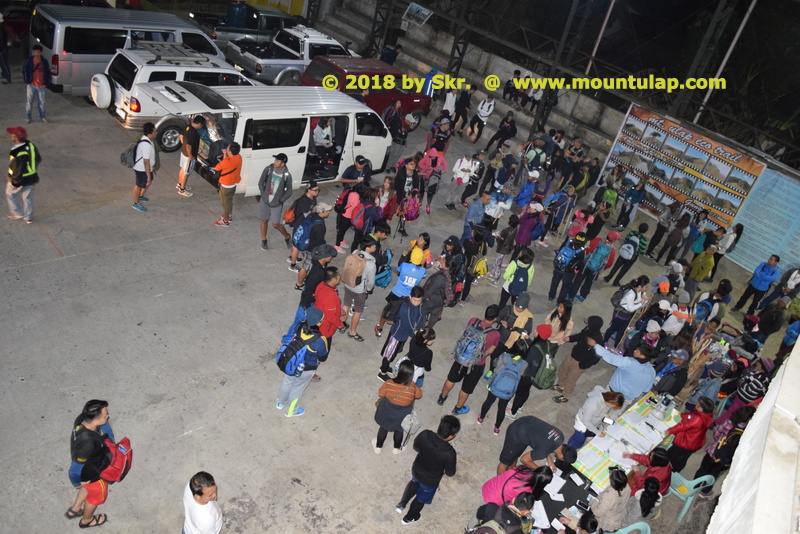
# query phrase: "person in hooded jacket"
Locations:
[[673, 374], [517, 277], [690, 433], [438, 294], [582, 358], [537, 352]]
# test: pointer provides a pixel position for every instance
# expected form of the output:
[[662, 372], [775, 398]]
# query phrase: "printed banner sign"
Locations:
[[417, 14]]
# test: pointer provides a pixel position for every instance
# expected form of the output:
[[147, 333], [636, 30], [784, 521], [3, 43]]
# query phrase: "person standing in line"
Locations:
[[633, 298], [699, 269], [326, 299], [190, 141], [436, 457], [395, 401], [321, 256], [484, 111], [582, 358], [462, 170], [725, 245], [90, 457], [230, 174], [763, 276], [600, 255], [635, 244], [788, 286], [356, 173], [275, 186], [463, 106], [293, 386], [5, 71], [303, 207], [202, 514], [356, 296], [23, 165], [536, 354], [409, 320], [37, 75], [507, 130], [144, 166], [450, 103], [665, 223], [474, 216]]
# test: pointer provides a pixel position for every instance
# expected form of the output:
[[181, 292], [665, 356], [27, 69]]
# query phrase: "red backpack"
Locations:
[[341, 201], [359, 218], [121, 460]]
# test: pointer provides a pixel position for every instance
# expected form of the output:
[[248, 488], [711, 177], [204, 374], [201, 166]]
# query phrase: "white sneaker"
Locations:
[[375, 446]]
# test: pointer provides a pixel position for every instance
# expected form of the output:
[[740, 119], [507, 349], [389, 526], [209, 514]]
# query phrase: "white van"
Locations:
[[80, 41], [267, 121]]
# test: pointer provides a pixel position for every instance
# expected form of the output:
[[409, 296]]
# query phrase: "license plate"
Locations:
[[121, 113]]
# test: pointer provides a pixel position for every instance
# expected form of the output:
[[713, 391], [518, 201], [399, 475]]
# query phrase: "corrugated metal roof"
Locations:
[[126, 17], [310, 100]]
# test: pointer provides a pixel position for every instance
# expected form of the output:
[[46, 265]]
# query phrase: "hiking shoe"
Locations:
[[461, 411], [400, 508], [222, 223], [383, 377], [496, 431], [557, 388], [185, 193], [264, 245], [340, 248], [30, 221], [560, 399], [542, 243], [288, 243], [579, 298], [480, 420], [408, 521], [294, 268], [375, 446], [138, 207], [289, 259], [144, 199], [511, 415], [297, 413], [343, 243], [440, 400], [427, 209], [396, 450]]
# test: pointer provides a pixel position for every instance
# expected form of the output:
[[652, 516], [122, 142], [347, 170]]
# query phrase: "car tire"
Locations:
[[169, 135], [102, 91], [417, 114], [290, 78]]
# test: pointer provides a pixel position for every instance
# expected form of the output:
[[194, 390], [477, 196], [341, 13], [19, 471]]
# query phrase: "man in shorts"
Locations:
[[90, 456], [357, 295], [543, 438], [275, 186], [471, 376], [144, 165], [190, 139]]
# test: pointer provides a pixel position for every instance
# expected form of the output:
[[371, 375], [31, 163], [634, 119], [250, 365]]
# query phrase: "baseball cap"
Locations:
[[322, 207], [445, 121], [323, 251], [282, 157], [653, 326], [452, 240], [361, 160], [313, 316], [677, 268], [680, 354], [613, 236], [417, 256], [523, 300], [536, 206], [717, 368], [684, 298], [19, 131], [533, 174], [544, 331], [311, 184], [580, 237], [664, 305], [663, 287]]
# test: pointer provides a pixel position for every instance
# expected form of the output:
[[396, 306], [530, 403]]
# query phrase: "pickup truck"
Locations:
[[251, 23], [283, 61]]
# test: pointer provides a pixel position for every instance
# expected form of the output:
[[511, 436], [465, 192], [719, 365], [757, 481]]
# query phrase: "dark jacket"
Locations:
[[582, 352], [400, 182], [27, 71], [282, 193], [23, 165], [435, 458], [673, 381], [508, 128]]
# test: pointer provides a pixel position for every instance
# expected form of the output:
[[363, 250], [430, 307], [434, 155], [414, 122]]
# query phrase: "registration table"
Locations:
[[637, 431]]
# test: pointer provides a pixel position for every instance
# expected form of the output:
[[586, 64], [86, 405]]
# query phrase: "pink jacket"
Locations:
[[426, 167]]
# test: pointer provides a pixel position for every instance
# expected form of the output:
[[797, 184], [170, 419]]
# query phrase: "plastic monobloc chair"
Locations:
[[687, 490], [641, 528]]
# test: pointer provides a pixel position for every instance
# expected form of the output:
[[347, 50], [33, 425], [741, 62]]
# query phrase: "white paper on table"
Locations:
[[637, 440], [603, 442], [556, 524], [616, 431], [633, 418], [588, 457], [651, 435], [616, 456], [660, 426], [540, 519], [557, 497], [597, 489], [554, 488], [576, 479]]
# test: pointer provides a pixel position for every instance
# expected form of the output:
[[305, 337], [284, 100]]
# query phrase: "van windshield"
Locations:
[[210, 98]]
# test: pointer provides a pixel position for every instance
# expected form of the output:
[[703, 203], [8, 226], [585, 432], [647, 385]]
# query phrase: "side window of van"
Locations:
[[369, 124], [43, 29], [279, 133], [94, 40], [198, 43], [158, 37]]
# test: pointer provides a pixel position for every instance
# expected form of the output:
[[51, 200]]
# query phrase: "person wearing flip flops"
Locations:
[[356, 295], [90, 456]]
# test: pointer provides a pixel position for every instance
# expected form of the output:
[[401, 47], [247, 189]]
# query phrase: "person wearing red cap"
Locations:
[[600, 255], [24, 160]]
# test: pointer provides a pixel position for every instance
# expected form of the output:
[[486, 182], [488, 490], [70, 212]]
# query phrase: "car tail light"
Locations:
[[258, 68], [134, 106], [213, 34], [54, 65]]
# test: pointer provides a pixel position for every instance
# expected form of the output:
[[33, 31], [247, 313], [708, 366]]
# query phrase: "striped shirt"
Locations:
[[399, 394]]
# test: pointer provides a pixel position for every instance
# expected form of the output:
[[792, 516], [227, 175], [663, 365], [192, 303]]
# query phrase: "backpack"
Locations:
[[565, 257], [504, 382], [538, 230], [546, 376], [290, 215], [302, 234], [412, 209], [630, 248], [616, 298], [488, 527], [699, 244], [128, 157], [384, 278], [353, 270], [291, 355], [121, 460], [341, 201], [480, 268], [597, 260], [359, 218], [469, 347], [577, 226], [629, 338], [704, 308], [520, 282]]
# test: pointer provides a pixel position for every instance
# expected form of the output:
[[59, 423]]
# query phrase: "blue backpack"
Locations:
[[469, 347], [505, 381], [537, 231], [291, 355], [520, 282], [384, 278], [303, 233], [599, 257], [704, 308], [565, 257]]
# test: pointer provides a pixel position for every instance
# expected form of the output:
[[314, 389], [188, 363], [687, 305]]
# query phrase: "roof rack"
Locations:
[[170, 52]]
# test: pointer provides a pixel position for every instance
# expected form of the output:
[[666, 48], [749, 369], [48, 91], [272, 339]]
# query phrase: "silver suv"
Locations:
[[117, 89]]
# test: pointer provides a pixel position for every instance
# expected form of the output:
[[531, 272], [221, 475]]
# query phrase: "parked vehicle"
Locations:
[[117, 89], [283, 61], [80, 41], [252, 23], [413, 103], [17, 17], [268, 120]]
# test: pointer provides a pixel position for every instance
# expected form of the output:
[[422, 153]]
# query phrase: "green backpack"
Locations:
[[545, 377]]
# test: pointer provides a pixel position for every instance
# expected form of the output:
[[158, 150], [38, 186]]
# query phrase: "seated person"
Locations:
[[323, 140]]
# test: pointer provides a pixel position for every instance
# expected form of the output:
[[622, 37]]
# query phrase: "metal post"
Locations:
[[599, 36]]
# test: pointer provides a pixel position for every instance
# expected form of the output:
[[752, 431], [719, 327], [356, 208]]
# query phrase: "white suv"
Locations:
[[117, 89]]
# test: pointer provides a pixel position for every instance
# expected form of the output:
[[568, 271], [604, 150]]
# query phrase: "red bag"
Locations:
[[121, 460]]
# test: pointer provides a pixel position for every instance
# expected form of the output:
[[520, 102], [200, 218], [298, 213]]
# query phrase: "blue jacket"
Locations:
[[525, 194], [475, 214], [27, 71], [764, 275], [632, 377], [634, 196], [409, 320]]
